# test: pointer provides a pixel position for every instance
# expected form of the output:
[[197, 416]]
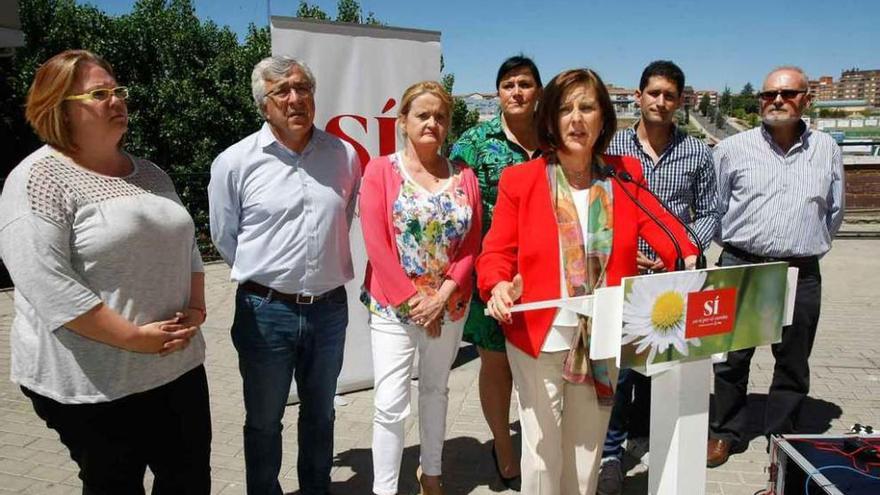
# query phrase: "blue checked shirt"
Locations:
[[683, 177], [775, 203]]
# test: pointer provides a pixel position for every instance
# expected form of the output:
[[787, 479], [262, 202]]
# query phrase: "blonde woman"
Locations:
[[420, 215], [109, 291]]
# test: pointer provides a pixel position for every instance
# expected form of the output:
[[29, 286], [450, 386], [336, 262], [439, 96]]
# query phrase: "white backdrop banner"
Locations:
[[361, 72]]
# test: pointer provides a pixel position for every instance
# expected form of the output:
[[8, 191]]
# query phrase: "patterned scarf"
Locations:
[[584, 270]]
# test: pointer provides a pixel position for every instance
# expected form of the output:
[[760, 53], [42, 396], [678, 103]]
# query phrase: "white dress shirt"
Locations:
[[281, 218], [779, 203]]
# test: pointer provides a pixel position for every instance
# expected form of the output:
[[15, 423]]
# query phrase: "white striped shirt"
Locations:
[[776, 203], [683, 177]]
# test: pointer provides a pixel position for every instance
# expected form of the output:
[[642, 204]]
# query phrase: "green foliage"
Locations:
[[739, 105], [832, 113], [726, 100], [308, 11], [704, 105], [346, 11], [190, 83], [462, 118], [753, 119], [720, 121]]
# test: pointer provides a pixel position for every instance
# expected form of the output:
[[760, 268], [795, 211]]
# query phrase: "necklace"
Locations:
[[419, 169]]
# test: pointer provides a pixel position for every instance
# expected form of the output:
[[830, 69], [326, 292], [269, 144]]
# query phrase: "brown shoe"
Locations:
[[717, 452]]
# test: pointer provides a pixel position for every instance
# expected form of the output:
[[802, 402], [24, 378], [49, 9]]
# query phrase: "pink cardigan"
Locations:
[[391, 285]]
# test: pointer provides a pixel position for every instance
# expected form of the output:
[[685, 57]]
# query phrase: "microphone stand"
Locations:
[[679, 260], [701, 257]]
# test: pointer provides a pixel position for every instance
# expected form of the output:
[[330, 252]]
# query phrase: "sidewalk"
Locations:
[[845, 377]]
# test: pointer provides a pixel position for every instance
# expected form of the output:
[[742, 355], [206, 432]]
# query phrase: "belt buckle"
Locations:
[[301, 299]]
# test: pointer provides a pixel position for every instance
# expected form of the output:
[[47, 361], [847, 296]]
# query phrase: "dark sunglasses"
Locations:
[[786, 94]]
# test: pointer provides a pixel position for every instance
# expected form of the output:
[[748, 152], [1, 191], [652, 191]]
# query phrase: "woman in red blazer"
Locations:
[[525, 258]]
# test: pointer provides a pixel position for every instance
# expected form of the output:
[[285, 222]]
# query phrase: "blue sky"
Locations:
[[716, 43]]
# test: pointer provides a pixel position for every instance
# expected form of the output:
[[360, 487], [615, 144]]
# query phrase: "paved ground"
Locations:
[[846, 372]]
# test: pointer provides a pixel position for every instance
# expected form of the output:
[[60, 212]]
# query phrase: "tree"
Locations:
[[704, 105], [726, 101], [720, 121], [189, 84], [462, 118], [746, 99], [753, 119], [308, 11], [346, 11]]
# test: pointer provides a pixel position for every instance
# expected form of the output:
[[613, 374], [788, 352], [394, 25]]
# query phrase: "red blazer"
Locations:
[[523, 239]]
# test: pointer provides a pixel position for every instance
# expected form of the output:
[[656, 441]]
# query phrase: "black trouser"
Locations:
[[167, 428], [791, 374]]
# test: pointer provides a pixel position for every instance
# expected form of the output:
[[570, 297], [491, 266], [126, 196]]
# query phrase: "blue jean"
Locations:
[[278, 341], [630, 415]]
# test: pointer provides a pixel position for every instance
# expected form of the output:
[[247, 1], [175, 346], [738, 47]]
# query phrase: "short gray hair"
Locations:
[[791, 68], [271, 69]]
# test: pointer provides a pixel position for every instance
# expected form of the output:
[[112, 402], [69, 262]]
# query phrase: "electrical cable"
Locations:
[[828, 468]]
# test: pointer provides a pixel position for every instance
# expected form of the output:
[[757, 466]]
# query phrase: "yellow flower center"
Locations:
[[668, 310]]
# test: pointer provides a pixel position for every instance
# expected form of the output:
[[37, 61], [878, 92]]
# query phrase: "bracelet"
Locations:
[[203, 311]]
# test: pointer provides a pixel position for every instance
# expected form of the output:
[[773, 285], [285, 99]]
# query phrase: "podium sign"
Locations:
[[685, 316], [667, 326]]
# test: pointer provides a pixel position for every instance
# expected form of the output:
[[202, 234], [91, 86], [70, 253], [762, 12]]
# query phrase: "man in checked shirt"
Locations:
[[780, 198], [679, 169]]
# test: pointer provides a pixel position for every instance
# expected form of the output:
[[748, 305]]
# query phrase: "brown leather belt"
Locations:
[[263, 291]]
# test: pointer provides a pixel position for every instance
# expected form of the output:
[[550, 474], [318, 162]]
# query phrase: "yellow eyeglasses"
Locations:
[[103, 94]]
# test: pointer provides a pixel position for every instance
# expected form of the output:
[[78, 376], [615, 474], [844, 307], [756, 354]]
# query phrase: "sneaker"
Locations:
[[638, 448], [610, 478]]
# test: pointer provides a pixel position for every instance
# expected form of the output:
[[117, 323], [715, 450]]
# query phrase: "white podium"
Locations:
[[718, 310]]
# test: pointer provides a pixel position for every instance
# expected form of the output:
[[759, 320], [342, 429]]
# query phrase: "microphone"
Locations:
[[608, 171], [627, 177]]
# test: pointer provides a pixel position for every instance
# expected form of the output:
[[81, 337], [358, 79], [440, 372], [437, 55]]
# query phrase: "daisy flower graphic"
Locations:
[[654, 313]]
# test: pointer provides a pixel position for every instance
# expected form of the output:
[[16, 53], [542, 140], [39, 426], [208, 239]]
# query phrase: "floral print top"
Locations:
[[429, 228]]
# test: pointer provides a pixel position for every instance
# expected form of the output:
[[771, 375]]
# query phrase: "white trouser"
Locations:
[[394, 348], [563, 426]]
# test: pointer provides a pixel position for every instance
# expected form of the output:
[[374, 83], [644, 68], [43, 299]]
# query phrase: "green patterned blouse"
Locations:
[[486, 149]]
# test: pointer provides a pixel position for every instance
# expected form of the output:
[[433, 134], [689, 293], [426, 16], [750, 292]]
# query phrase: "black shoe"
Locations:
[[514, 482], [610, 478]]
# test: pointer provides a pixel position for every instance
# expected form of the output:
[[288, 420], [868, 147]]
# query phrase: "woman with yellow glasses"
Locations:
[[109, 291]]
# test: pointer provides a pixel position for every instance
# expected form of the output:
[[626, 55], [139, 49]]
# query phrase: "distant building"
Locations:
[[623, 99], [858, 84], [854, 84], [487, 104], [823, 88], [689, 97], [713, 97]]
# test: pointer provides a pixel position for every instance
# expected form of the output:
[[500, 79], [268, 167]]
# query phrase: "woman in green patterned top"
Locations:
[[489, 147]]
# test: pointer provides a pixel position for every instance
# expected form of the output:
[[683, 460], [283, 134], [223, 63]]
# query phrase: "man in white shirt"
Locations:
[[281, 204]]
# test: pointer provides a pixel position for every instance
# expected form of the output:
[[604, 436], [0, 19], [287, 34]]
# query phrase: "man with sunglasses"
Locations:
[[780, 198], [281, 204]]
